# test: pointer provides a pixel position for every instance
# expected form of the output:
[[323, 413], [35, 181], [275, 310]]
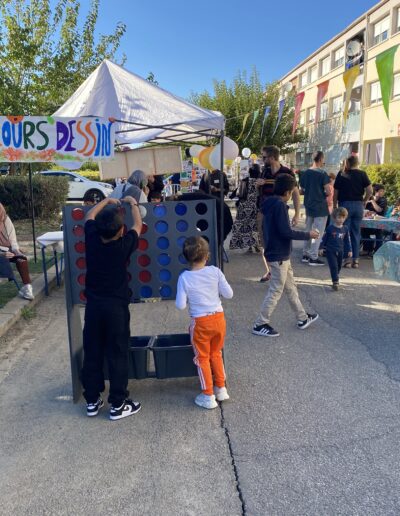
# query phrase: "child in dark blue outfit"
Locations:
[[336, 242]]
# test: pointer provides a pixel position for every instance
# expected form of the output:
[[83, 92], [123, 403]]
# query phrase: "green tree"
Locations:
[[247, 95], [45, 53], [151, 78]]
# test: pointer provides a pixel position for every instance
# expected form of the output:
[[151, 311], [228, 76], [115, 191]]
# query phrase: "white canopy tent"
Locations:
[[143, 111]]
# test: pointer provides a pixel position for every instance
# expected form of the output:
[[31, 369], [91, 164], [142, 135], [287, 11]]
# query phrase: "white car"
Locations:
[[79, 185]]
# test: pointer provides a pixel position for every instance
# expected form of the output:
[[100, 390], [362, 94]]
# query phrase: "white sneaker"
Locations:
[[205, 401], [26, 292], [221, 394]]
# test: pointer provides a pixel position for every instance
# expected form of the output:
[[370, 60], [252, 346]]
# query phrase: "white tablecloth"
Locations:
[[53, 238]]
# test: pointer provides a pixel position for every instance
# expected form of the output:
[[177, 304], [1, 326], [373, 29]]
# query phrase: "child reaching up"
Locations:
[[200, 288], [336, 241]]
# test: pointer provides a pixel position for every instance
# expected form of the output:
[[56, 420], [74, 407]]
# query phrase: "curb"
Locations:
[[12, 311]]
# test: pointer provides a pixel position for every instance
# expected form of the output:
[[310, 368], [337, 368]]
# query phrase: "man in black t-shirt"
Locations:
[[106, 331], [271, 170]]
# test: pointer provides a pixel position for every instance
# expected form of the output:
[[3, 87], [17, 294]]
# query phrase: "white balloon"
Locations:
[[246, 152], [70, 165], [195, 150], [231, 150], [215, 158]]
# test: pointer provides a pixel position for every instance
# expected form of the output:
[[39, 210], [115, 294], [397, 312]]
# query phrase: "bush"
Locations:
[[49, 194], [387, 174], [89, 174]]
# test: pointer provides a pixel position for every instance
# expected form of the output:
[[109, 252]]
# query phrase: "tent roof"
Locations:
[[144, 112]]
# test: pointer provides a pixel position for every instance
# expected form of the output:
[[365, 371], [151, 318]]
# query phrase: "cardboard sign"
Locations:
[[42, 139], [152, 160]]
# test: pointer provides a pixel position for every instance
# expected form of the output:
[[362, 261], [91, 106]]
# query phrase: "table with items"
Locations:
[[389, 226], [387, 261], [55, 240]]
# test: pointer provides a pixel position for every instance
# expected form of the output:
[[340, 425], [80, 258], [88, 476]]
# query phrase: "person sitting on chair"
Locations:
[[10, 250]]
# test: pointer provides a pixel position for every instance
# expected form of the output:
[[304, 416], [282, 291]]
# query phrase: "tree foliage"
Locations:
[[45, 53], [247, 95]]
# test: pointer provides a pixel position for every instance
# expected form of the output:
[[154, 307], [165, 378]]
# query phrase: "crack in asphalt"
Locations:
[[233, 461]]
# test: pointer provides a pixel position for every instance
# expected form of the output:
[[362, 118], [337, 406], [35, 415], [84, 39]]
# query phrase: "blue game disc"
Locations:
[[146, 291], [163, 243], [182, 259], [162, 227], [180, 209], [182, 225], [164, 275], [180, 241], [165, 291], [164, 259], [160, 210]]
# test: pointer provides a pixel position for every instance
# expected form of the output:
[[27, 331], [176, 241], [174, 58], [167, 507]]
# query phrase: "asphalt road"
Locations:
[[313, 426]]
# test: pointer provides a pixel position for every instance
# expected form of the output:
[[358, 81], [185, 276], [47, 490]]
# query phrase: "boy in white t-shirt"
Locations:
[[200, 288]]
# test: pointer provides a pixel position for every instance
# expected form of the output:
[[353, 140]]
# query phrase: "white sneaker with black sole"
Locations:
[[26, 292], [92, 409], [264, 330], [302, 325], [128, 408]]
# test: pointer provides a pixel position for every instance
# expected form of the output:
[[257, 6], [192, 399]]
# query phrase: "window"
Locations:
[[396, 86], [381, 31], [313, 73], [325, 65], [303, 79], [337, 105], [323, 115], [302, 118], [311, 115], [375, 92], [338, 57]]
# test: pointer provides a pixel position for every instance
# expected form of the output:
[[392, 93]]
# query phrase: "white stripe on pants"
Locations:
[[281, 279], [311, 248]]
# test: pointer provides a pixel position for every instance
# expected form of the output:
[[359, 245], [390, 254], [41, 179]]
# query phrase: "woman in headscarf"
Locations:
[[9, 249], [135, 187]]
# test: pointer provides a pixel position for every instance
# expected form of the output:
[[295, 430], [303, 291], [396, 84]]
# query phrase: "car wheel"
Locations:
[[97, 195]]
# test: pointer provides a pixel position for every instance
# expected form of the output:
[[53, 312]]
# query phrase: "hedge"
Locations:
[[50, 195], [387, 174]]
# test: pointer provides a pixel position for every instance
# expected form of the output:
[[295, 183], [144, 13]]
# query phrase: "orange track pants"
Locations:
[[208, 335]]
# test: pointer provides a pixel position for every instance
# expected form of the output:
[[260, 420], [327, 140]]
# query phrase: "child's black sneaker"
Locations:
[[302, 325], [128, 408], [305, 258], [335, 285], [92, 409], [265, 330]]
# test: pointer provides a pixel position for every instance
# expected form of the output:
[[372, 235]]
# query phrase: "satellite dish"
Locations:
[[288, 87], [353, 48]]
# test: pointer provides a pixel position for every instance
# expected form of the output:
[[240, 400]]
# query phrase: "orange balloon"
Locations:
[[204, 158]]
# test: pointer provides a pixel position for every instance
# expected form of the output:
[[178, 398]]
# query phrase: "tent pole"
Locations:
[[32, 212], [221, 225]]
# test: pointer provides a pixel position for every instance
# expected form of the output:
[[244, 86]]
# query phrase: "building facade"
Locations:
[[367, 131]]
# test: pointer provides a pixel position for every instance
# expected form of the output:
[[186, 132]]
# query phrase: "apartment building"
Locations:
[[367, 132]]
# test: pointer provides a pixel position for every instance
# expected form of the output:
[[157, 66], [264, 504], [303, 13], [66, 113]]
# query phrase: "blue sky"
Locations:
[[187, 44]]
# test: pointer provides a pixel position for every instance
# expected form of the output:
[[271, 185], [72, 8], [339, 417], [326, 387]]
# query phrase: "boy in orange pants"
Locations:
[[201, 287]]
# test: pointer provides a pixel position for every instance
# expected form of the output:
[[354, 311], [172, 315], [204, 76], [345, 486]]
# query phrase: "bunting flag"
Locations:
[[246, 116], [384, 65], [322, 91], [266, 113], [280, 113], [297, 109], [255, 116], [349, 78]]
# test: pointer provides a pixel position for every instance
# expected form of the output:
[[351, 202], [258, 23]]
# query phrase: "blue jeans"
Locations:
[[353, 221], [335, 259]]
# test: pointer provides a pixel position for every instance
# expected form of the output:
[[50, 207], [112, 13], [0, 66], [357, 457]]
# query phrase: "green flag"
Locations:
[[384, 65]]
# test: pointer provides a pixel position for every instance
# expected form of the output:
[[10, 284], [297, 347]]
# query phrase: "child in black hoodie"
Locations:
[[278, 236]]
